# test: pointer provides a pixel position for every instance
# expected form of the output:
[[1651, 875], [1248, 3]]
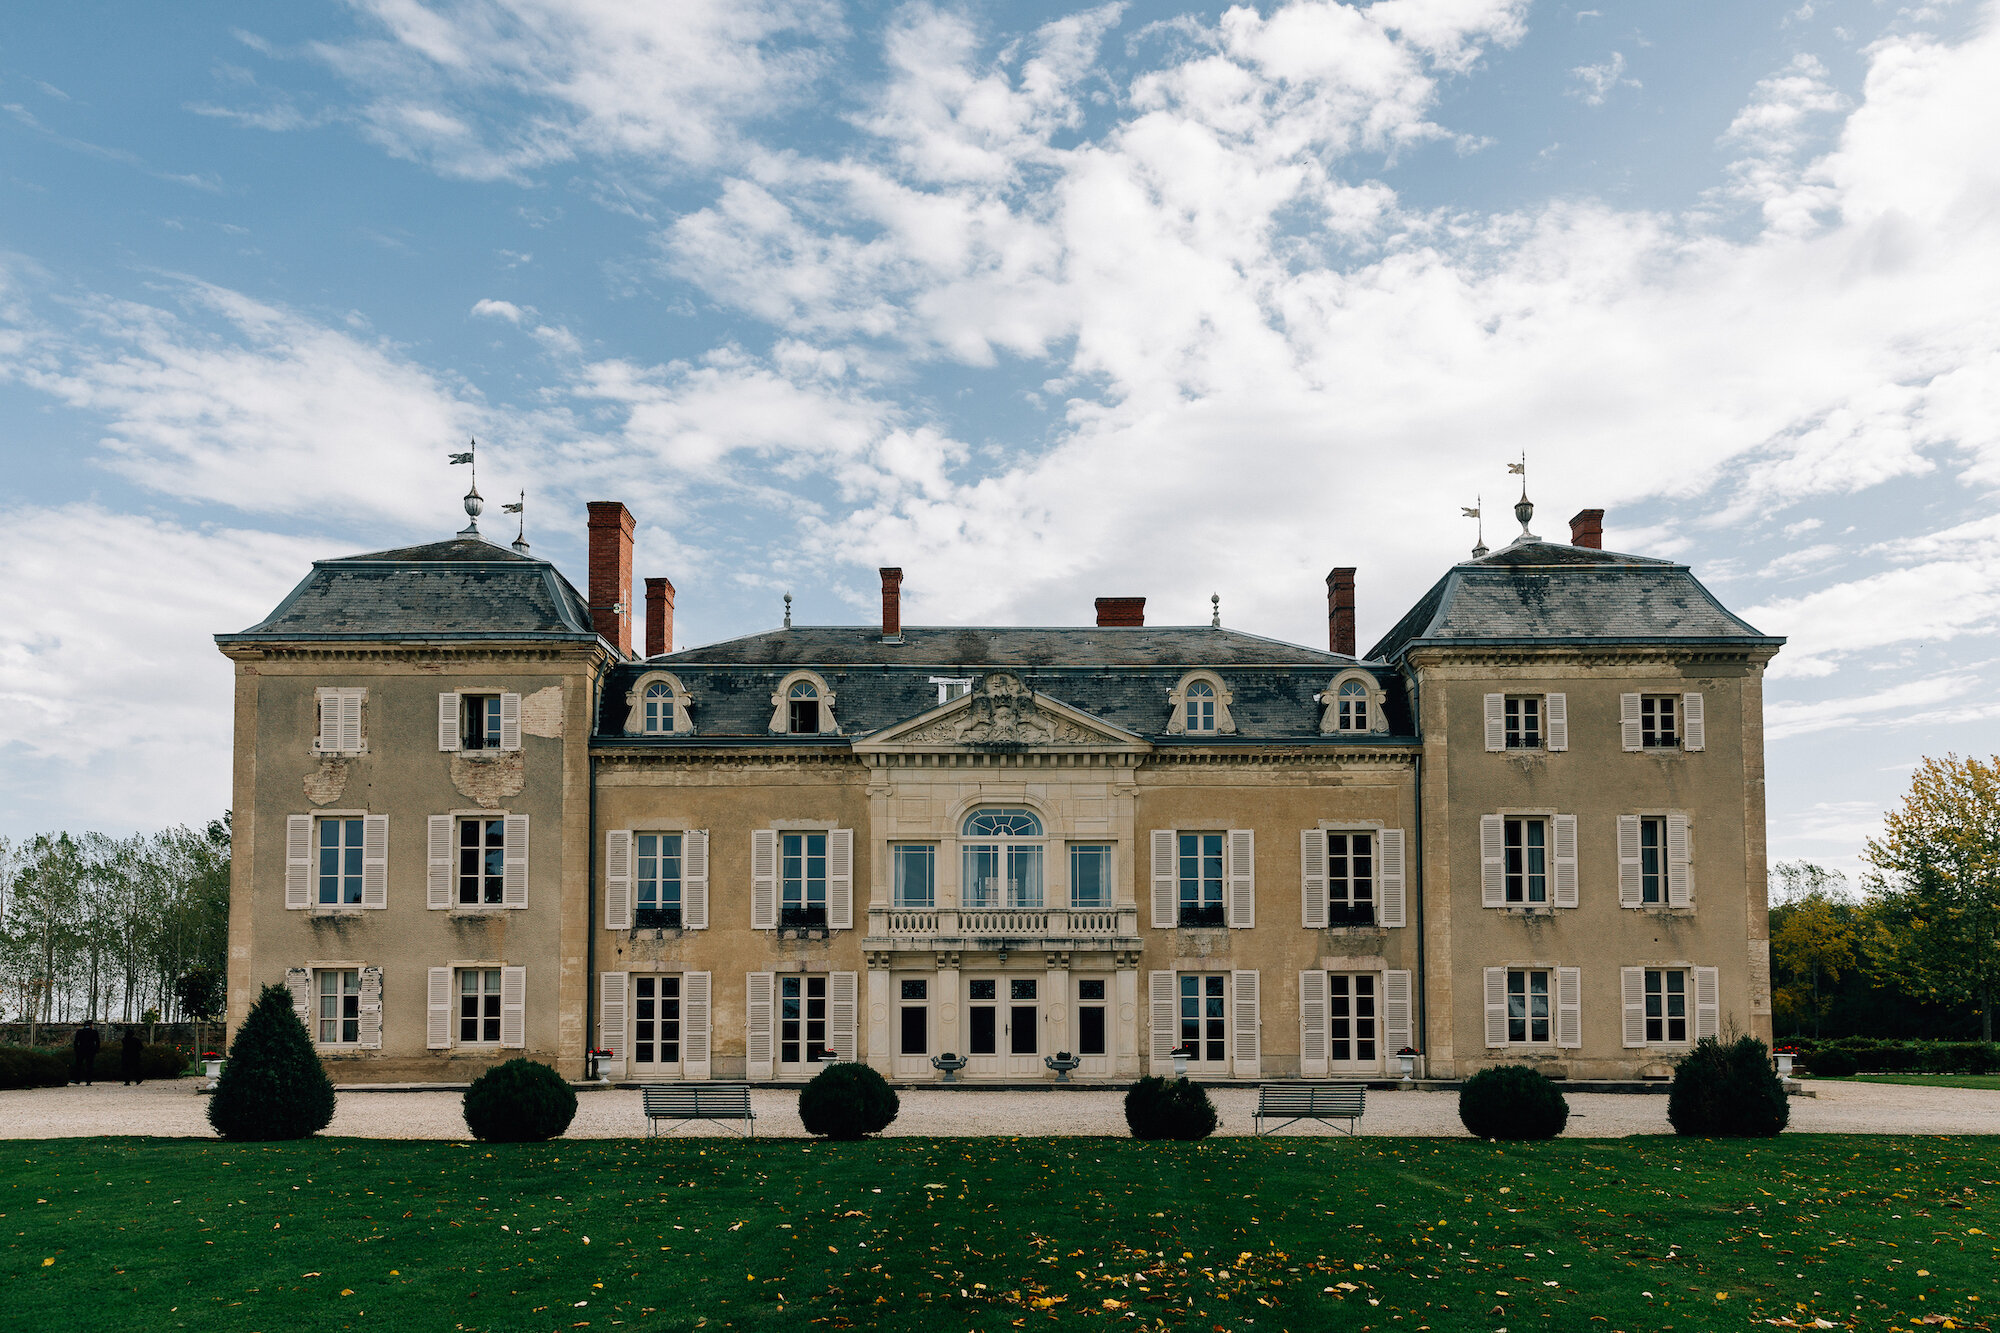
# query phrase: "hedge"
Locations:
[[1873, 1055]]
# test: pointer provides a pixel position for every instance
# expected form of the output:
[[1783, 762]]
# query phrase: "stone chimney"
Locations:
[[1587, 529], [1340, 611], [1122, 611], [892, 605], [659, 617], [611, 529]]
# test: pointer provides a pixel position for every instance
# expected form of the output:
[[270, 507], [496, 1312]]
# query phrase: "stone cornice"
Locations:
[[1491, 654], [594, 655]]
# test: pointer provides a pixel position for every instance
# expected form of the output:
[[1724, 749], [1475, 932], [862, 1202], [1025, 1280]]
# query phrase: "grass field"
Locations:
[[1233, 1234], [1984, 1082]]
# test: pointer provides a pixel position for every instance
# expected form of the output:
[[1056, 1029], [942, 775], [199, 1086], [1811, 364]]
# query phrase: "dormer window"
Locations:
[[1351, 706], [1200, 705], [802, 705], [659, 707], [952, 687], [802, 709]]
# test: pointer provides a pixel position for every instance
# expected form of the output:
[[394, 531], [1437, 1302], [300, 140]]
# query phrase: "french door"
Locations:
[[1353, 1023], [911, 1030], [1003, 1026], [656, 1027], [1093, 1026], [803, 1033]]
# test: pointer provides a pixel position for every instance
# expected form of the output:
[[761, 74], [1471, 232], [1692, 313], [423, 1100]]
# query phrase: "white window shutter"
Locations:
[[1694, 723], [371, 1008], [437, 1021], [350, 720], [1492, 861], [1565, 849], [1312, 1023], [514, 1007], [1680, 858], [764, 891], [1166, 884], [1707, 1002], [1246, 1025], [298, 981], [329, 720], [448, 721], [1632, 989], [1496, 1006], [1398, 1011], [618, 881], [612, 988], [1569, 1007], [1312, 878], [510, 721], [1242, 875], [1628, 721], [694, 879], [514, 879], [298, 860], [1160, 994], [437, 884], [1555, 721], [840, 880], [696, 1011], [375, 861], [1631, 887], [843, 997], [758, 1047], [1496, 722], [1389, 896]]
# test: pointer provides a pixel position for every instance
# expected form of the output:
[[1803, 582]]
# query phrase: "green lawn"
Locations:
[[1985, 1082], [1322, 1233]]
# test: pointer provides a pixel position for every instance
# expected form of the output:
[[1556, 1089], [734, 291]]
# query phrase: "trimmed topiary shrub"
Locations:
[[273, 1085], [24, 1067], [522, 1101], [846, 1101], [1159, 1108], [1727, 1092], [1832, 1062], [1511, 1102]]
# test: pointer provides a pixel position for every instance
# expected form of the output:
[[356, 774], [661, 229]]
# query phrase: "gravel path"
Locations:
[[175, 1109]]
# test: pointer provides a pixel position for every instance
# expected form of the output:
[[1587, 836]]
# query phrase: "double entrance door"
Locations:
[[1003, 1025], [656, 1027]]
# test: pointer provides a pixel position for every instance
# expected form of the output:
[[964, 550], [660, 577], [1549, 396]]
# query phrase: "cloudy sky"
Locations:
[[1038, 302]]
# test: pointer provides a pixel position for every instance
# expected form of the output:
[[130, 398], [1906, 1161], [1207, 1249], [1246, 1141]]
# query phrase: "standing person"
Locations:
[[85, 1044], [130, 1053]]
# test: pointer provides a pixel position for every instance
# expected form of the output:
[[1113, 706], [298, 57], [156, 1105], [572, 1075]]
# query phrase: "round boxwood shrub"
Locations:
[[1727, 1092], [273, 1085], [522, 1101], [1512, 1102], [846, 1101], [1159, 1108], [1832, 1062]]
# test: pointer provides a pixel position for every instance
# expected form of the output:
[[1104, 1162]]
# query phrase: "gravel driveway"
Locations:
[[175, 1109]]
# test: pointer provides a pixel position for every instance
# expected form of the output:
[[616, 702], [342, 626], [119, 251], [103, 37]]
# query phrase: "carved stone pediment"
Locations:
[[1001, 712]]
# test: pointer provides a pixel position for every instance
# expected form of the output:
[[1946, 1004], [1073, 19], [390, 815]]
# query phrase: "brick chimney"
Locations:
[[611, 529], [659, 617], [1340, 610], [892, 604], [1122, 611], [1587, 529]]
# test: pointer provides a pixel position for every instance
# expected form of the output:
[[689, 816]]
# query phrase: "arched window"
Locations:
[[659, 707], [1002, 868], [658, 704], [802, 709], [1200, 704], [1352, 703], [802, 705]]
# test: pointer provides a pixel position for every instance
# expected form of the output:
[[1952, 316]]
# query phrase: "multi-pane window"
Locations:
[[804, 903], [1523, 714], [802, 708], [1659, 721], [952, 687], [1204, 1027], [1201, 879], [1527, 1006], [1351, 1017], [999, 866], [1090, 876], [802, 1020], [1090, 1026], [1200, 706], [656, 1020], [340, 861], [1666, 1006], [1351, 706], [1023, 1027], [914, 1034], [479, 722], [982, 1034], [659, 707], [658, 881], [1652, 860], [479, 1006], [915, 868], [1350, 879], [339, 1007], [1527, 864], [482, 860]]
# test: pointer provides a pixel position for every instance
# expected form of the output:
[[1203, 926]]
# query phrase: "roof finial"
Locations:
[[788, 610], [1478, 505], [1524, 508], [520, 507], [473, 503], [1215, 610]]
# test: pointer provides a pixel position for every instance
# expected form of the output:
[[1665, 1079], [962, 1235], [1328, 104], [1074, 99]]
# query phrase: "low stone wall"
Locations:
[[48, 1035]]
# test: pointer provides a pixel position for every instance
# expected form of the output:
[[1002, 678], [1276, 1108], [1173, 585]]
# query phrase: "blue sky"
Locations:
[[1039, 302]]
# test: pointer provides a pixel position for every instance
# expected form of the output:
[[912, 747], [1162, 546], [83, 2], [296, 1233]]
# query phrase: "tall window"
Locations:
[[1001, 868], [1659, 721], [1090, 1026], [1204, 1017], [482, 861], [914, 1033], [1351, 704], [479, 1006], [1652, 860], [1350, 879], [916, 875], [659, 707], [1527, 860], [1201, 879], [802, 1020], [479, 722], [656, 1020], [339, 1007], [658, 881], [1528, 1006], [1666, 1006], [1350, 1017], [339, 861], [1200, 706], [804, 903], [1090, 877], [802, 709], [1524, 722]]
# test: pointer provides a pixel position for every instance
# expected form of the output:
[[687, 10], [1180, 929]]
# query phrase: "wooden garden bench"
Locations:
[[684, 1103], [1293, 1102]]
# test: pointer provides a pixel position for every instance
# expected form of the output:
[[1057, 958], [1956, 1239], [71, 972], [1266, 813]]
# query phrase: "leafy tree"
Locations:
[[1814, 939], [1936, 874], [200, 995], [273, 1086]]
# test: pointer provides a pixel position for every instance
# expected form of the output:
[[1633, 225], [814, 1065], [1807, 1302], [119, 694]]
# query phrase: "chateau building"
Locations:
[[1527, 826]]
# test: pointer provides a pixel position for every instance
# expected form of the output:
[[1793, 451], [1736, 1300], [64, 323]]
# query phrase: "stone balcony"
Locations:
[[901, 929]]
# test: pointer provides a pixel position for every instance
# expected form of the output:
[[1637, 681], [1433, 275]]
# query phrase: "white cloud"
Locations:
[[492, 309], [1595, 83], [1913, 703]]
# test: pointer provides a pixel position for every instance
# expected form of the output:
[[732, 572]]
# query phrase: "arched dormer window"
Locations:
[[1002, 859], [659, 706], [1352, 706], [1200, 706], [802, 705]]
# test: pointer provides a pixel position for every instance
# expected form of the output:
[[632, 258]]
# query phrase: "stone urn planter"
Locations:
[[948, 1064], [1062, 1062], [1785, 1059], [1406, 1059]]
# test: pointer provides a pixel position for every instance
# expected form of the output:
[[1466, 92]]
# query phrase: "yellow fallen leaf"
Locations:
[[347, 1291], [47, 1262], [1722, 1295]]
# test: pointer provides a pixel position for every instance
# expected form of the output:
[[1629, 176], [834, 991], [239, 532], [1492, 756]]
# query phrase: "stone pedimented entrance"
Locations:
[[1002, 713]]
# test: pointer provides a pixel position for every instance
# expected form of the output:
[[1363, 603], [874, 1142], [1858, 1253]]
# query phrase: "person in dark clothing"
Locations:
[[85, 1044], [129, 1054]]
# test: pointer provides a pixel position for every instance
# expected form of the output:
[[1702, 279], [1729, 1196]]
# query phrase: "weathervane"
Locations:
[[473, 503], [1524, 508], [788, 610], [1478, 503], [519, 507], [1215, 610]]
